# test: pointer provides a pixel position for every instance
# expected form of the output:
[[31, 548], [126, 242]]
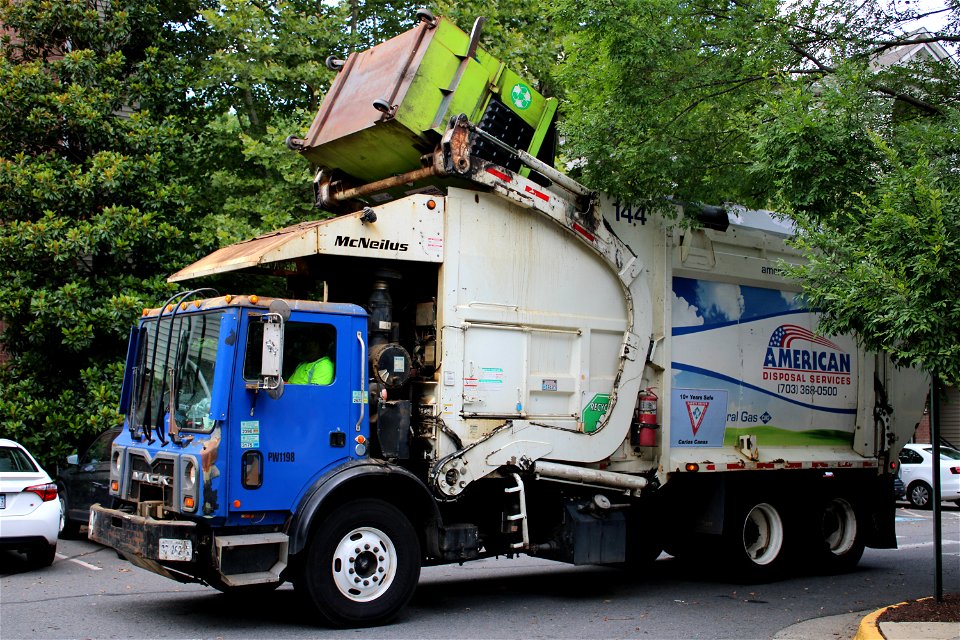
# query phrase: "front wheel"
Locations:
[[68, 528], [363, 564], [920, 495]]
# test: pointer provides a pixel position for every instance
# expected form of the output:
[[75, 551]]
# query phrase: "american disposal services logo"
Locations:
[[797, 355]]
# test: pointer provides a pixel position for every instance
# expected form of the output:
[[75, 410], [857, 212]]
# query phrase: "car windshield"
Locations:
[[13, 459], [181, 355]]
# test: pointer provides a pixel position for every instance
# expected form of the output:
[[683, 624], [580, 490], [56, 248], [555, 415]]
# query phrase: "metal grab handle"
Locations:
[[363, 378]]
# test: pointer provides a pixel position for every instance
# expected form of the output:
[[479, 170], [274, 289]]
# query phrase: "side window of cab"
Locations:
[[309, 353]]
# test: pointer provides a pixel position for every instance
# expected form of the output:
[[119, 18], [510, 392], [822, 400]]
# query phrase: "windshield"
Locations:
[[179, 355]]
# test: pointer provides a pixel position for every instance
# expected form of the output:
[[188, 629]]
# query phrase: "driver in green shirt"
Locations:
[[316, 370]]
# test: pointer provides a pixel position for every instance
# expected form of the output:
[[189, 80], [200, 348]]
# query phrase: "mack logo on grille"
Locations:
[[367, 243], [152, 478]]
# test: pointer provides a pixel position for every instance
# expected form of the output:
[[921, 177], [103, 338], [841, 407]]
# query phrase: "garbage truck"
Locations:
[[477, 356]]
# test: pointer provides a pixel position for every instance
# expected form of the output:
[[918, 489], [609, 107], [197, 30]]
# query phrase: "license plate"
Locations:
[[3, 501], [173, 549]]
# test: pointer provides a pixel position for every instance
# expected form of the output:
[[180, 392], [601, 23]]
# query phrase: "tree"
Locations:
[[802, 107], [98, 200]]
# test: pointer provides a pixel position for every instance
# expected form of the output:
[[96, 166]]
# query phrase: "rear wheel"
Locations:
[[920, 495], [363, 564], [42, 556], [754, 540], [838, 540]]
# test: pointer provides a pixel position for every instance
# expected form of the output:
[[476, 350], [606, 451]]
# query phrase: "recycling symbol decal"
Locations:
[[521, 96]]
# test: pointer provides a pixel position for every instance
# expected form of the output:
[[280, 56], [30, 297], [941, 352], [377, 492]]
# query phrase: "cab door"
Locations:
[[278, 447]]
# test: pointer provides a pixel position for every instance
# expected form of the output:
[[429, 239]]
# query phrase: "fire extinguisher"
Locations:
[[644, 427]]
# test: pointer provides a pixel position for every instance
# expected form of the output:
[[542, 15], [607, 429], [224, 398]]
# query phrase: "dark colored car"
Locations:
[[899, 489], [84, 482]]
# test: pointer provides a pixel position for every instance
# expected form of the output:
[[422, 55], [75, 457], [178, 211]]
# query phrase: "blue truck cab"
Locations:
[[229, 461]]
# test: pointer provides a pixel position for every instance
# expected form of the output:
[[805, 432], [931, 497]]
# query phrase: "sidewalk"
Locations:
[[862, 625], [870, 629]]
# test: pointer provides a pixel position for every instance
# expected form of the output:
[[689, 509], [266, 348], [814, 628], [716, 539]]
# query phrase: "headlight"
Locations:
[[190, 474]]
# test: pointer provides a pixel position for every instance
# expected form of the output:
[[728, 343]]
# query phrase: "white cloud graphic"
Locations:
[[793, 299], [684, 314], [723, 300]]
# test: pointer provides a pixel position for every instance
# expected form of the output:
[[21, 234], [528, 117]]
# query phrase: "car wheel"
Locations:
[[68, 528], [42, 556], [920, 495], [363, 564]]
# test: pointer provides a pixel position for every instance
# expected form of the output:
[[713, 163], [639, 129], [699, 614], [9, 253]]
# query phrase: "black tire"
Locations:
[[68, 528], [755, 540], [920, 495], [42, 556], [838, 535], [362, 565]]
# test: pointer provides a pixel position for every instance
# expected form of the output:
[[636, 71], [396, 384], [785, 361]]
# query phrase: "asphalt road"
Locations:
[[90, 593]]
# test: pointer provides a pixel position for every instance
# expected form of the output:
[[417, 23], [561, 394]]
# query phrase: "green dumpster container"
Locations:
[[417, 81]]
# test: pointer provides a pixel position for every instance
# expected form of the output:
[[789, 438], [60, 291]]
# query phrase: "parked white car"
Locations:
[[29, 509], [916, 464]]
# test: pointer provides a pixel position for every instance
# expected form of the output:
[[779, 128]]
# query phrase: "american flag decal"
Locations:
[[785, 334]]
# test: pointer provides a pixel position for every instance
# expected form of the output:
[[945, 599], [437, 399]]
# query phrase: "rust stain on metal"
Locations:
[[385, 71]]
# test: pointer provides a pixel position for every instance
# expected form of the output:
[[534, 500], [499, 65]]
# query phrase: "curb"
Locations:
[[869, 629]]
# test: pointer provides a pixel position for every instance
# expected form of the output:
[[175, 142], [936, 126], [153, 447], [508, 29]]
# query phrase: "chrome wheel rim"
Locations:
[[364, 564]]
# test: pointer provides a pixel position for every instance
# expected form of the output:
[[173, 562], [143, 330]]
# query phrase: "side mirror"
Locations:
[[271, 368], [73, 459]]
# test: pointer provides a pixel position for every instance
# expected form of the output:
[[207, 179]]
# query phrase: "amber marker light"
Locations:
[[360, 439], [254, 299], [228, 298], [188, 503], [692, 466], [236, 504], [115, 486], [183, 306], [169, 308], [431, 204], [196, 303]]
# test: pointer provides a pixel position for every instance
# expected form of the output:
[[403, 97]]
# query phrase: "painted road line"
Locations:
[[917, 545], [80, 562]]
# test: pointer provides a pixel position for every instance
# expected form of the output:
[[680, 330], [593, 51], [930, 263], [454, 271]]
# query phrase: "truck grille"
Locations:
[[152, 481]]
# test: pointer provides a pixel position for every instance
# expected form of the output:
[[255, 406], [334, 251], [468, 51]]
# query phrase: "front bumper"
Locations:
[[138, 539]]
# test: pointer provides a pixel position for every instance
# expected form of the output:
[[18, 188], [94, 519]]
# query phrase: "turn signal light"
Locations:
[[114, 485], [188, 503], [47, 492], [360, 439], [692, 466]]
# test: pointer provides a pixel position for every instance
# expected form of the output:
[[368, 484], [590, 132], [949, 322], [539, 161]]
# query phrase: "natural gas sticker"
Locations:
[[360, 397], [521, 96], [250, 434], [698, 417], [594, 411]]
